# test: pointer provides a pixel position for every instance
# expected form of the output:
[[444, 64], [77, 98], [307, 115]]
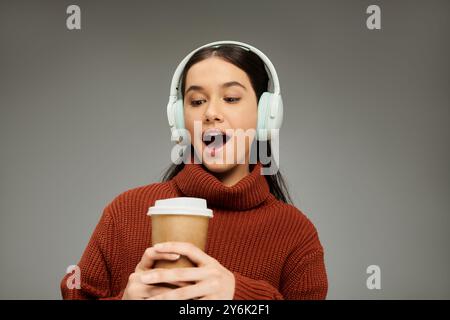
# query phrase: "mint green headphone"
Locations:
[[270, 105]]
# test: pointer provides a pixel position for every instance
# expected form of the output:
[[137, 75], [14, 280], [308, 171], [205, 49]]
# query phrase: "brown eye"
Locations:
[[232, 100], [196, 102]]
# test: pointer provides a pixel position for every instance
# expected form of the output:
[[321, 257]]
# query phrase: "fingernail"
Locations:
[[176, 256]]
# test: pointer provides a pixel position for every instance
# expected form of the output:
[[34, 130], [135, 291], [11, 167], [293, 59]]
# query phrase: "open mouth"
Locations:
[[214, 140]]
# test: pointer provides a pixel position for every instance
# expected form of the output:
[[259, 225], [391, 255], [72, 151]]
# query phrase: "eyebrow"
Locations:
[[224, 85]]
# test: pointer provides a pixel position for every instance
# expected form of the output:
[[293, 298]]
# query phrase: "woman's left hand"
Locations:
[[213, 281]]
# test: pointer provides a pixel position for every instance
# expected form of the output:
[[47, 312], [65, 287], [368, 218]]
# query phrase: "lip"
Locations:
[[215, 130], [212, 130]]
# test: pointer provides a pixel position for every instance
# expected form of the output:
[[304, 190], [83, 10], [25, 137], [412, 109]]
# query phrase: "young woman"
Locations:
[[260, 246]]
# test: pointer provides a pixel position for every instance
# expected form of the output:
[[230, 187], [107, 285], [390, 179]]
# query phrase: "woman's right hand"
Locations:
[[135, 289]]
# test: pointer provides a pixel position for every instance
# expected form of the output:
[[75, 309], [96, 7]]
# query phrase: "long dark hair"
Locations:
[[252, 64]]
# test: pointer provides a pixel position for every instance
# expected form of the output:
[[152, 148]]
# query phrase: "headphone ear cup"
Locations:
[[263, 113], [270, 115], [276, 112], [175, 114], [179, 114]]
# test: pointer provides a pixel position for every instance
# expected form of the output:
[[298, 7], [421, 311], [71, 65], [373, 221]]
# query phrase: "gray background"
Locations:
[[364, 144]]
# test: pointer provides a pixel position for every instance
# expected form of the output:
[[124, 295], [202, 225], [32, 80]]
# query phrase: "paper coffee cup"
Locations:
[[182, 219]]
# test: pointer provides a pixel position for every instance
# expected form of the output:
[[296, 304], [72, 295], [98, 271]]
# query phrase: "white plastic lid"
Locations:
[[181, 205]]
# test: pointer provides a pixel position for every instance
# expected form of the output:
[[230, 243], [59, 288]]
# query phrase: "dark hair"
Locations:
[[254, 67]]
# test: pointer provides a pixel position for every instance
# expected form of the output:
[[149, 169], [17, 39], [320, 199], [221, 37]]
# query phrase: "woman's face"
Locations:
[[219, 95]]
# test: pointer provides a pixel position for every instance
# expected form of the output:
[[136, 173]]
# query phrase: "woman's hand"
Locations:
[[212, 280], [135, 288]]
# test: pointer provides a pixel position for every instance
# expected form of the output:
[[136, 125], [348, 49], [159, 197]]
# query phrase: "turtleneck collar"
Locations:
[[194, 180]]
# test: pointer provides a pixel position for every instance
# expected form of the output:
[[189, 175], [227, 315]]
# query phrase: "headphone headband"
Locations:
[[176, 76]]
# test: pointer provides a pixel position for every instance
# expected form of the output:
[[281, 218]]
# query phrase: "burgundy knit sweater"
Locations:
[[272, 248]]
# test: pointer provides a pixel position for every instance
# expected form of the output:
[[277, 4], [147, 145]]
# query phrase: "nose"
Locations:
[[212, 114]]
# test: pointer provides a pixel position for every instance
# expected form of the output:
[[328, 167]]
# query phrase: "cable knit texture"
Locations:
[[271, 247]]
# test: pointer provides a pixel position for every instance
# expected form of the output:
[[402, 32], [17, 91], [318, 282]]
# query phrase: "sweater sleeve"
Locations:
[[305, 278], [95, 266], [303, 275], [250, 289]]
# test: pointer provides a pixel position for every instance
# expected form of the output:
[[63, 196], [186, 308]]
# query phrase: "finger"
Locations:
[[143, 291], [187, 249], [178, 284], [175, 284], [174, 275], [172, 284], [149, 257], [136, 279], [190, 292], [150, 290], [137, 291]]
